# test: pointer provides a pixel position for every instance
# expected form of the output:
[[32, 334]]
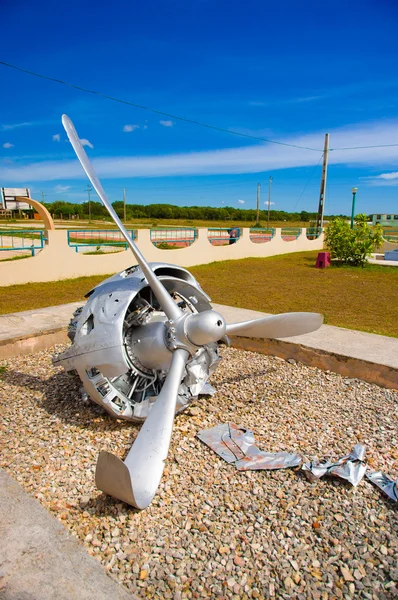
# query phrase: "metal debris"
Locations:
[[235, 444], [385, 483], [351, 467]]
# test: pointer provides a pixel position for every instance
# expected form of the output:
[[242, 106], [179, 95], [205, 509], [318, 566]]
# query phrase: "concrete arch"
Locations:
[[43, 212]]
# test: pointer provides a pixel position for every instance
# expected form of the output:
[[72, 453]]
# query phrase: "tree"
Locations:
[[352, 246]]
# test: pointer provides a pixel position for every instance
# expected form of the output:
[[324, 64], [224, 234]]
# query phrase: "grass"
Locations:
[[15, 258], [28, 296], [353, 297]]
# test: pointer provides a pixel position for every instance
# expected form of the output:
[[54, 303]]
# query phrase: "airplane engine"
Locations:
[[122, 347]]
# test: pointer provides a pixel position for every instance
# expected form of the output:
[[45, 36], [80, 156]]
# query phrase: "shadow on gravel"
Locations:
[[59, 395]]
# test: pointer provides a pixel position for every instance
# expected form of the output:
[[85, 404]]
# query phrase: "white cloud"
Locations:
[[86, 143], [8, 145], [57, 137], [166, 123], [59, 189], [241, 201], [271, 203], [15, 126], [128, 128], [393, 175], [256, 158], [383, 180]]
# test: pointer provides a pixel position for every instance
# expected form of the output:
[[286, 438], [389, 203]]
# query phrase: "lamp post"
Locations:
[[354, 193]]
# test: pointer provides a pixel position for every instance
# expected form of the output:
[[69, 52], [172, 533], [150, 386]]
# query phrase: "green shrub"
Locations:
[[352, 246]]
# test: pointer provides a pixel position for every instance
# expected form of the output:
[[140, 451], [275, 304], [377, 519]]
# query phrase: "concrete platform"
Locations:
[[40, 560], [355, 354]]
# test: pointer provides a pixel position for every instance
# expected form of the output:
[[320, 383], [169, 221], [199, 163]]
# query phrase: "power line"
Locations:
[[154, 110], [364, 147], [308, 182], [184, 119]]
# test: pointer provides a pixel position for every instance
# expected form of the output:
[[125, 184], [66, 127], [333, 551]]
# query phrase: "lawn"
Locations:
[[357, 298], [354, 297]]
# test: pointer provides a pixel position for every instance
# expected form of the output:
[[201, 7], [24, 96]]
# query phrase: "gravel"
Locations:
[[212, 531]]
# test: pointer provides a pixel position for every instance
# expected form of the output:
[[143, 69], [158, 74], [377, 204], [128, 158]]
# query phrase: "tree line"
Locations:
[[60, 209]]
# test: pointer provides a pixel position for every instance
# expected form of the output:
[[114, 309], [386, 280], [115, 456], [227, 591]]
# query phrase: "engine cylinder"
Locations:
[[147, 345]]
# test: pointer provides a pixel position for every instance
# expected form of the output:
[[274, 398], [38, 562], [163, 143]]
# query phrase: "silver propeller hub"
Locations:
[[205, 327]]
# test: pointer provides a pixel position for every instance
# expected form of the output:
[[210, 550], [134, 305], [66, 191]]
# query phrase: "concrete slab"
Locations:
[[337, 340], [40, 560], [34, 330], [356, 354], [36, 322]]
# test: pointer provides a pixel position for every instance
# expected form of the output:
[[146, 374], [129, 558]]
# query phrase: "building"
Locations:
[[385, 220], [8, 199]]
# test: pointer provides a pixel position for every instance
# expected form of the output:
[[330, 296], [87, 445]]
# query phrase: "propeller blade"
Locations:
[[277, 326], [170, 308], [136, 480]]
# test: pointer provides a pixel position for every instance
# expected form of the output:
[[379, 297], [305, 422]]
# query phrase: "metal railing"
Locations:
[[173, 237], [391, 235], [260, 235], [28, 239], [83, 238], [288, 234], [222, 236], [313, 233]]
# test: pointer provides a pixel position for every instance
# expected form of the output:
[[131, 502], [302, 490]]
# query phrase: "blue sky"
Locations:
[[288, 71]]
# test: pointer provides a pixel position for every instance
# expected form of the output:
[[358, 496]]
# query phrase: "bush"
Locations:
[[352, 246]]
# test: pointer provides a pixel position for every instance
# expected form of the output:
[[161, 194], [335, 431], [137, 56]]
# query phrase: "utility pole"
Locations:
[[322, 192], [258, 204], [269, 199], [124, 203], [42, 197], [89, 190]]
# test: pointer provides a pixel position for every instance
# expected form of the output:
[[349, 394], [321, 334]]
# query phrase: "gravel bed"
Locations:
[[211, 531]]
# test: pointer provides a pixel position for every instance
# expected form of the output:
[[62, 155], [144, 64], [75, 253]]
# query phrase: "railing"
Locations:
[[223, 236], [260, 235], [178, 237], [313, 233], [289, 234], [83, 238], [391, 235], [27, 239]]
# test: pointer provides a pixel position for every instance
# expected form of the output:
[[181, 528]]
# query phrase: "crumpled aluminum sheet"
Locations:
[[385, 483], [207, 390], [351, 467], [235, 444]]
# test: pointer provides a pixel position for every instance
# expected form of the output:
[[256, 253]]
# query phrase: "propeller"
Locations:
[[277, 326], [172, 311], [137, 478]]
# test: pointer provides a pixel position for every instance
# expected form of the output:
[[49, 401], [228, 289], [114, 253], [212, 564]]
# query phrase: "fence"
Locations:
[[289, 234], [313, 233], [260, 235], [83, 238], [223, 236], [176, 237], [14, 240], [60, 260], [391, 235]]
